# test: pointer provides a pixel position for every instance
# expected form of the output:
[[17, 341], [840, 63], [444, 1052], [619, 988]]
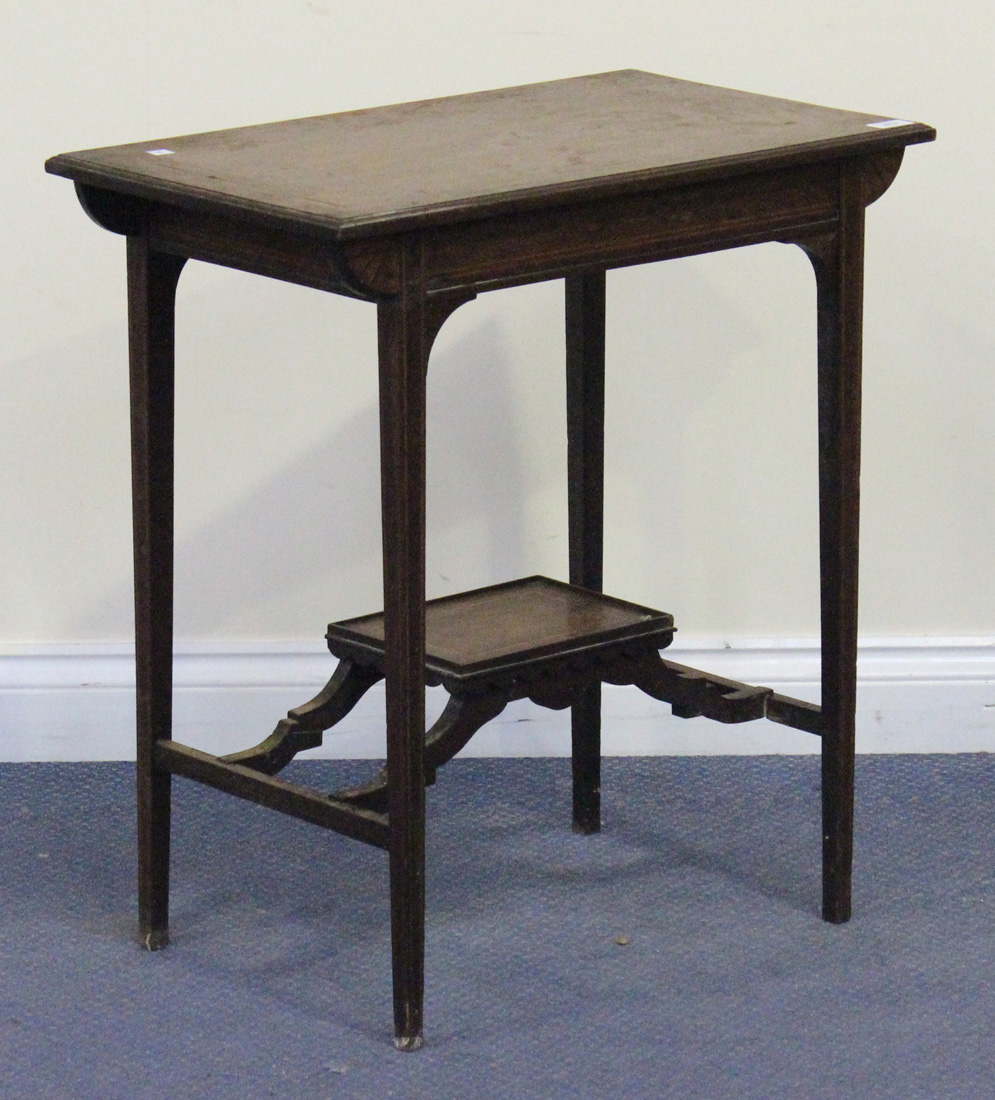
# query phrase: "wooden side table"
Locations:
[[419, 207]]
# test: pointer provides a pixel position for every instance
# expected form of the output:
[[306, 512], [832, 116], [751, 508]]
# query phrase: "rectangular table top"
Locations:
[[387, 169]]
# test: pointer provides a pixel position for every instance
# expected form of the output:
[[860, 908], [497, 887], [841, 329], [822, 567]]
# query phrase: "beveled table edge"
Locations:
[[75, 167]]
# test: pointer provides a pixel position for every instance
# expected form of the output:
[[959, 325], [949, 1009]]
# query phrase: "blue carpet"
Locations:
[[277, 982]]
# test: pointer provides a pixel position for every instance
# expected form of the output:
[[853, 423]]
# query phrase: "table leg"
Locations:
[[403, 340], [839, 276], [585, 339], [152, 279]]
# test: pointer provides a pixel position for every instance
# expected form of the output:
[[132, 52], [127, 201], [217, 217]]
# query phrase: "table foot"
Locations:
[[836, 910], [156, 939]]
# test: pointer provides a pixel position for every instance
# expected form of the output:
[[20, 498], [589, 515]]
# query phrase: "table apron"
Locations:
[[289, 254], [613, 232], [788, 205]]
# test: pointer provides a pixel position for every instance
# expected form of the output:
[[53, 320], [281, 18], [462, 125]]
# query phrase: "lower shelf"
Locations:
[[511, 626], [534, 638]]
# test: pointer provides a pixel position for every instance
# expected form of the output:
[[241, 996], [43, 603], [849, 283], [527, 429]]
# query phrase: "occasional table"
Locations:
[[418, 208]]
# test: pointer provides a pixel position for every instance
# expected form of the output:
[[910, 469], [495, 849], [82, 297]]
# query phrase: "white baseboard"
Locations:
[[76, 702]]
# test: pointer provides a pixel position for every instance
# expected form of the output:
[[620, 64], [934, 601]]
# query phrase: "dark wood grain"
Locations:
[[585, 378], [838, 260], [506, 626], [152, 279], [615, 231], [273, 792], [304, 725], [419, 207], [462, 717], [387, 169], [404, 348]]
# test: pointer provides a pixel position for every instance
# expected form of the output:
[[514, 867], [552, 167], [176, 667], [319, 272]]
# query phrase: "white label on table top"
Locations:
[[159, 152], [887, 123]]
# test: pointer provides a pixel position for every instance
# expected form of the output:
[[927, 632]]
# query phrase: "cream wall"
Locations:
[[711, 475]]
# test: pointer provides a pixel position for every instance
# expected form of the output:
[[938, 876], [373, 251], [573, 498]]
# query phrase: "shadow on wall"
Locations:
[[305, 545]]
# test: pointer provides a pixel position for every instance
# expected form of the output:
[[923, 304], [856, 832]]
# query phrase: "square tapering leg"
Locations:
[[403, 358], [838, 262], [585, 359], [152, 281]]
